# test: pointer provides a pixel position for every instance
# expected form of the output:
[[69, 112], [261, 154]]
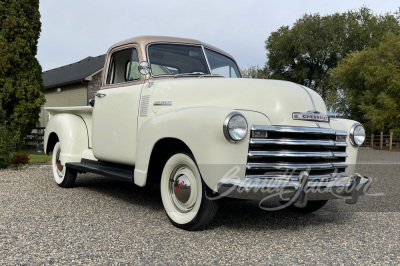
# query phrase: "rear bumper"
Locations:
[[296, 191]]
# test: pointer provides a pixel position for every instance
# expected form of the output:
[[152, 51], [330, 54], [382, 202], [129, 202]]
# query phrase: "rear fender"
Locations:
[[72, 133]]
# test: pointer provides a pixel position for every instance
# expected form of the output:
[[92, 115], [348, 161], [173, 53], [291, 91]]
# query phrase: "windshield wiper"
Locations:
[[211, 76], [199, 74], [189, 74]]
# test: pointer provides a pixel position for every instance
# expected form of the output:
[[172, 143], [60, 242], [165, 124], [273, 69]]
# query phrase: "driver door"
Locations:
[[116, 109]]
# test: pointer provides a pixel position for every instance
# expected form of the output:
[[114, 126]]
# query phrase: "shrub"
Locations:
[[5, 143], [5, 148], [20, 158]]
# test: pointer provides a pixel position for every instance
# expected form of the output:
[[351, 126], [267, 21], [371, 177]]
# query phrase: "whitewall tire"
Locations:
[[186, 198], [63, 176]]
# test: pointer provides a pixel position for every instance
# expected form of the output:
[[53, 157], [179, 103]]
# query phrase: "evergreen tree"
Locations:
[[21, 84]]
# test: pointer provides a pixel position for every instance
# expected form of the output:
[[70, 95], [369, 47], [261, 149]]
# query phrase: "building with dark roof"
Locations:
[[72, 85], [73, 73]]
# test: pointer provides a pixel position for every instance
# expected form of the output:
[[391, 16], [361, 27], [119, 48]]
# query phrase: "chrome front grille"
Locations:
[[283, 152]]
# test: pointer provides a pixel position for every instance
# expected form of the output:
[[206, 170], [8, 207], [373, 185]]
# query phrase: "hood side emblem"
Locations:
[[162, 103]]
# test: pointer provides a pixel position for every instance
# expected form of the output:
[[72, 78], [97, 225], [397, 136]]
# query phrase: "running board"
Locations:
[[117, 171]]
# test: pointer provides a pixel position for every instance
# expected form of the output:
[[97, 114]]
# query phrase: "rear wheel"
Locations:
[[63, 176], [186, 198]]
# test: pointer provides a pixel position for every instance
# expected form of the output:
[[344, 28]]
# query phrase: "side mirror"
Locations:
[[144, 68], [91, 102]]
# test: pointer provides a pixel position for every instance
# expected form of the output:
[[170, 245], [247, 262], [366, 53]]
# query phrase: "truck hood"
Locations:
[[275, 99]]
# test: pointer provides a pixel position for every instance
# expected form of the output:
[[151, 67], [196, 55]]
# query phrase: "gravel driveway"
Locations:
[[102, 221]]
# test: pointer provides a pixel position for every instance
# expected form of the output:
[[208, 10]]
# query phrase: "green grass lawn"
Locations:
[[37, 157]]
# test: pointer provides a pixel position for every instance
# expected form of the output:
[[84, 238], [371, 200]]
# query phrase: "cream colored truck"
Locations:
[[177, 112]]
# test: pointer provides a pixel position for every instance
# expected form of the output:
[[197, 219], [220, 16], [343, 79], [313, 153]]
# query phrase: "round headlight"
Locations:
[[235, 127], [357, 134]]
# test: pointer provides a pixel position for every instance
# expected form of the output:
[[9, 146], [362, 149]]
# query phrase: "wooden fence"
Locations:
[[383, 141]]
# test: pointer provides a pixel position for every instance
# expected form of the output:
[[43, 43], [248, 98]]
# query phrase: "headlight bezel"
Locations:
[[226, 127], [352, 135]]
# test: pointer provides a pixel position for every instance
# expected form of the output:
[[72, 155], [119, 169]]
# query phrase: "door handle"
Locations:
[[100, 95]]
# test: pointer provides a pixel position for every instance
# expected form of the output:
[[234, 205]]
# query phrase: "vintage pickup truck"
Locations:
[[177, 112]]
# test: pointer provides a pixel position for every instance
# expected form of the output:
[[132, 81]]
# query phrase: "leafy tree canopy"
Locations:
[[253, 72], [307, 51], [21, 82], [370, 85]]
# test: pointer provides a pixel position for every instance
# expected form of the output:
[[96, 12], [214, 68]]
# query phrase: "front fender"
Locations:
[[201, 129], [72, 133], [346, 124]]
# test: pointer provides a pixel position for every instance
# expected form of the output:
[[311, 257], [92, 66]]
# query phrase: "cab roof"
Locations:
[[143, 41]]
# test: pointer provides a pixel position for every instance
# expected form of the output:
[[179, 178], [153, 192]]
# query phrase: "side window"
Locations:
[[222, 65], [123, 66], [226, 71]]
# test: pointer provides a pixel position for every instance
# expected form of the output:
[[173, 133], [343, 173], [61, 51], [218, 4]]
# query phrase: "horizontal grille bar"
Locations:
[[310, 130], [298, 142], [302, 154], [311, 177], [298, 166], [341, 133]]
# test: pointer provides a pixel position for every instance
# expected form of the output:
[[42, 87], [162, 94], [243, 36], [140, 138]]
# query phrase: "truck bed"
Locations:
[[87, 110]]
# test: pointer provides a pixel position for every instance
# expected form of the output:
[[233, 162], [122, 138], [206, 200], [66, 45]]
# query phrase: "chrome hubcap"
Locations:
[[182, 188], [59, 166]]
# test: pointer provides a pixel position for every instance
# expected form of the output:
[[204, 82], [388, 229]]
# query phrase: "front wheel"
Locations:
[[63, 176], [186, 198]]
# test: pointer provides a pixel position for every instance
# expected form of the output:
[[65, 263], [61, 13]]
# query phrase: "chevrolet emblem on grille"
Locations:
[[310, 116]]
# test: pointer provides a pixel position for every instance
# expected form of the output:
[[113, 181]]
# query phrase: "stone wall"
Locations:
[[94, 85]]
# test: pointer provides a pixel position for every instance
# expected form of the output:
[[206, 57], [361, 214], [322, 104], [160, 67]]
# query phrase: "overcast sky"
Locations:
[[75, 29]]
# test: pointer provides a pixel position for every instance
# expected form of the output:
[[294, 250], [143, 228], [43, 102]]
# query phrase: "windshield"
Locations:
[[177, 59], [172, 59]]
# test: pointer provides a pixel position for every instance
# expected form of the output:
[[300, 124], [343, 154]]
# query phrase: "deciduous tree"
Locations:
[[307, 51], [253, 72], [370, 85]]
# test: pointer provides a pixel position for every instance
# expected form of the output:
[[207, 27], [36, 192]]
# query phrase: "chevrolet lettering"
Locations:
[[310, 116], [165, 103]]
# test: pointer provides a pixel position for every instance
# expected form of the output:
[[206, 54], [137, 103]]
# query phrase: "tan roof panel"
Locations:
[[143, 41]]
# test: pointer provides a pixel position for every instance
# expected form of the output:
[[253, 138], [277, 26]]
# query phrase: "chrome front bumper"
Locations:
[[298, 192]]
